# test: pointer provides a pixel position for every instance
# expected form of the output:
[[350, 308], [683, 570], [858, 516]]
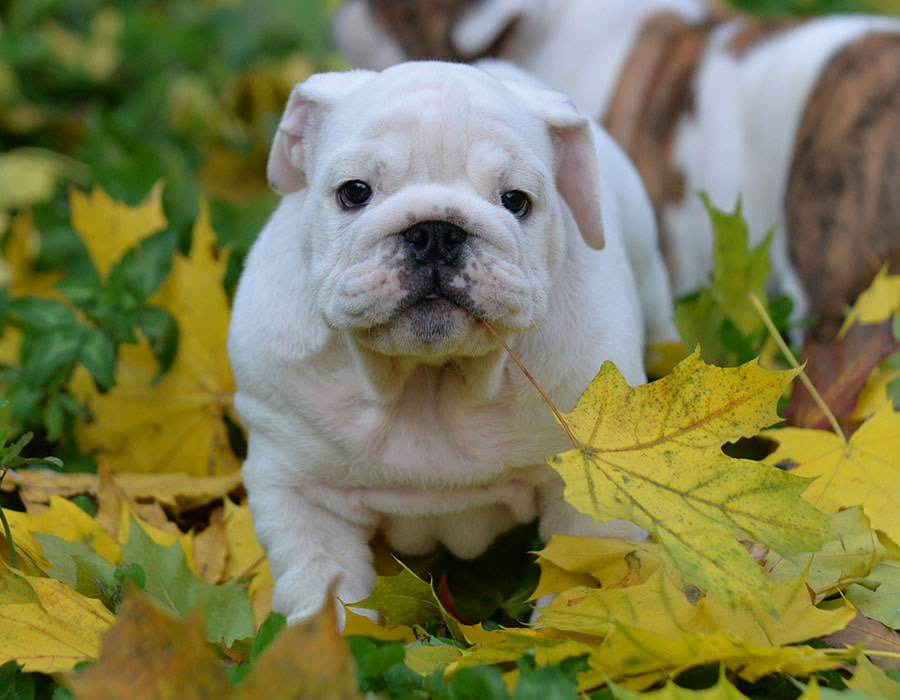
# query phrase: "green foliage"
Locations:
[[720, 318], [816, 7]]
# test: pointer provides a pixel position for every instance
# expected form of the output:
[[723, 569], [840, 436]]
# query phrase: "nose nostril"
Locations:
[[418, 238], [435, 241]]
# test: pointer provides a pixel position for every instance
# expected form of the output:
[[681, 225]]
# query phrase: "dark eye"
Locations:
[[517, 202], [354, 194]]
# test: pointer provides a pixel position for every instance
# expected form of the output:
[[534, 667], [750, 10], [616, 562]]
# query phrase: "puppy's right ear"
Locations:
[[295, 139]]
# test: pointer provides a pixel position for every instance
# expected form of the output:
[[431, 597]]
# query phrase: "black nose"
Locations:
[[435, 242]]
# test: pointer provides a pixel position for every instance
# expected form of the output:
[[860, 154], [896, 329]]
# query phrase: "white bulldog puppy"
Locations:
[[799, 119], [419, 203]]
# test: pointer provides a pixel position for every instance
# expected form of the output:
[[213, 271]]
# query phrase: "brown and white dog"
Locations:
[[799, 119]]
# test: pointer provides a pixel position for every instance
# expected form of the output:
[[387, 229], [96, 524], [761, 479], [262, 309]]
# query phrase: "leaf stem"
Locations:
[[779, 341], [6, 531], [559, 416]]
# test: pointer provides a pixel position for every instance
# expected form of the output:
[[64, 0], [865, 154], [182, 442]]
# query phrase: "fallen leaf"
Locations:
[[569, 561], [175, 492], [109, 227], [839, 371], [722, 690], [661, 606], [878, 303], [63, 519], [178, 423], [850, 553], [356, 624], [172, 585], [426, 659], [310, 660], [628, 651], [148, 655], [405, 599], [864, 472], [867, 677], [45, 625], [652, 454], [882, 604], [872, 636]]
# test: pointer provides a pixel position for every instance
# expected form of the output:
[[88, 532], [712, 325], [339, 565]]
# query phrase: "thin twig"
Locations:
[[779, 341], [6, 531], [559, 416]]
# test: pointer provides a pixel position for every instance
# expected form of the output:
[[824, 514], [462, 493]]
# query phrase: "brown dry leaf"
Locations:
[[147, 655], [174, 492], [871, 635], [839, 371], [177, 424], [210, 552], [310, 660]]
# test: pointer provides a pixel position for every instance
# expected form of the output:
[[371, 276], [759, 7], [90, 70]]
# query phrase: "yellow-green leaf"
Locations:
[[405, 599], [652, 454], [45, 625], [864, 472], [660, 606], [850, 553]]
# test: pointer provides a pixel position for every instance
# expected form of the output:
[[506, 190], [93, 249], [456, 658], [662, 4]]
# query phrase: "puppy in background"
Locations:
[[419, 203], [800, 119]]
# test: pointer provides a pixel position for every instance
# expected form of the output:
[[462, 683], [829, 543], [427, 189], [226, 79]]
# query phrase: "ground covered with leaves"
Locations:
[[134, 138]]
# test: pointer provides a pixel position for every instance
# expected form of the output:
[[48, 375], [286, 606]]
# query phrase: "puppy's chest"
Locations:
[[437, 432]]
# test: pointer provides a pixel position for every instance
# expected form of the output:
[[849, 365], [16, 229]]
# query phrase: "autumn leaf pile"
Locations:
[[128, 564]]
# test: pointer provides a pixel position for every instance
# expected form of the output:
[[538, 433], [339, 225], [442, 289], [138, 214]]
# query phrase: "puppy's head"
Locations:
[[434, 195]]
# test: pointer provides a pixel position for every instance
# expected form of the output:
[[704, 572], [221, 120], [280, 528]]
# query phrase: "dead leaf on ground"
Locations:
[[872, 635], [148, 655], [839, 371]]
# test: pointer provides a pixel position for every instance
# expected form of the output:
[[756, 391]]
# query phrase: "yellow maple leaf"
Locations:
[[662, 607], [176, 424], [862, 472], [65, 520], [568, 561], [878, 303], [45, 625], [652, 454], [109, 227]]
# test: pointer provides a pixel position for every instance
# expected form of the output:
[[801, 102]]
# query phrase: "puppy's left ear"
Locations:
[[577, 172], [295, 140]]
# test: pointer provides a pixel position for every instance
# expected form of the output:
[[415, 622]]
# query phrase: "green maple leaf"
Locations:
[[173, 586]]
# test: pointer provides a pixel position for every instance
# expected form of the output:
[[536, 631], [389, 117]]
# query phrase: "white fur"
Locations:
[[357, 423], [737, 142]]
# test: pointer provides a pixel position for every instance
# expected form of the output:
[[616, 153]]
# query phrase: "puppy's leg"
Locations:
[[310, 549]]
